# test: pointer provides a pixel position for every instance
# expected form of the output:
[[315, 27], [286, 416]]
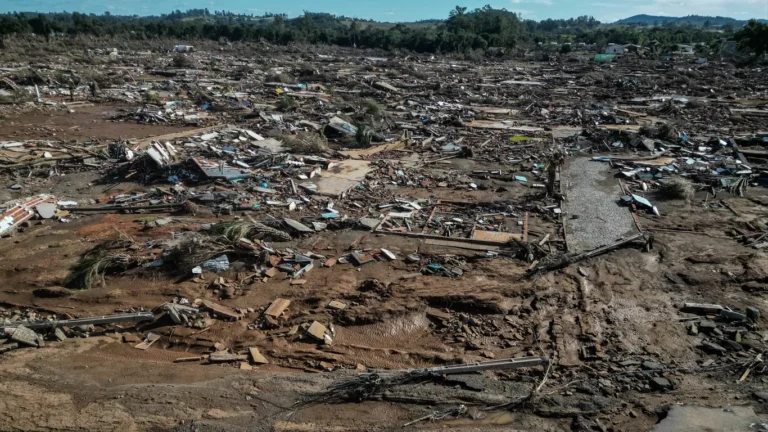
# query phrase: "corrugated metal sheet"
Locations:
[[22, 211]]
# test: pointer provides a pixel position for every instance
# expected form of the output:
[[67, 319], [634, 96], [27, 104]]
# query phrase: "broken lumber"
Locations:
[[566, 260], [99, 320]]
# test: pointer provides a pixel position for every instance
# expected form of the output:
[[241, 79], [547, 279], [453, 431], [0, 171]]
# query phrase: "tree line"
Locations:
[[462, 31]]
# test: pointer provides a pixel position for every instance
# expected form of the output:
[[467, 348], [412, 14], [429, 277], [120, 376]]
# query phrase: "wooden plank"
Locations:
[[256, 356], [277, 307], [222, 311], [148, 341], [630, 113], [495, 236], [363, 154], [461, 245], [498, 125], [631, 128], [144, 143], [525, 228]]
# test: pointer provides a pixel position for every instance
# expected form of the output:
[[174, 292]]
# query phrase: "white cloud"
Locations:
[[390, 13]]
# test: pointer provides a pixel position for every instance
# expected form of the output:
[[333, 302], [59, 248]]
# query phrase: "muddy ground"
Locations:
[[625, 304]]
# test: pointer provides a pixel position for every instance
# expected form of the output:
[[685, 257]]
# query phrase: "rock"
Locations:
[[732, 345], [754, 287], [713, 347], [660, 384], [26, 336], [707, 326], [337, 305], [732, 316], [763, 396], [756, 269], [753, 314], [649, 365], [131, 338], [228, 292], [693, 330]]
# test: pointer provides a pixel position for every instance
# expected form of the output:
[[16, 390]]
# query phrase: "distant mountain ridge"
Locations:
[[697, 20]]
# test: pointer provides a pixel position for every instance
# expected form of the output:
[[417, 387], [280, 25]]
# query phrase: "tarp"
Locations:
[[602, 58]]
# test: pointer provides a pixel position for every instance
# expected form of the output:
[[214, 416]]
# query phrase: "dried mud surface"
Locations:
[[626, 302]]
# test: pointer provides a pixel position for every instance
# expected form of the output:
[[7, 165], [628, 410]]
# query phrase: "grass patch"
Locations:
[[677, 188], [365, 134], [233, 230], [372, 108], [286, 103], [305, 143], [91, 270]]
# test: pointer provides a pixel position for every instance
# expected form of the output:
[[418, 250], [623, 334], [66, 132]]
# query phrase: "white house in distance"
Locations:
[[614, 49]]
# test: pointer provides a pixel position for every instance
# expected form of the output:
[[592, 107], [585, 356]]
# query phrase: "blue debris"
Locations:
[[217, 264], [640, 200]]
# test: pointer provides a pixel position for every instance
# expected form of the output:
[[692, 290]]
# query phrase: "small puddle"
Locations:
[[494, 418]]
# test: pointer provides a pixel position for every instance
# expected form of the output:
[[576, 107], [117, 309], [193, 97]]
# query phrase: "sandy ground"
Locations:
[[624, 304]]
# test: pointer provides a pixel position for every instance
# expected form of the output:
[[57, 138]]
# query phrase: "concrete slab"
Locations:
[[697, 419], [342, 177], [592, 197], [25, 336]]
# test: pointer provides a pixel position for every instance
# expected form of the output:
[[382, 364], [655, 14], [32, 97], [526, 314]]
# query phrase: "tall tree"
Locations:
[[753, 37]]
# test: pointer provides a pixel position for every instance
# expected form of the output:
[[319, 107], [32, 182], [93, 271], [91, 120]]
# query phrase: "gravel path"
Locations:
[[592, 194]]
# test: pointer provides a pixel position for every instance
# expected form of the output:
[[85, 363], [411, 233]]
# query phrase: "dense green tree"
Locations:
[[754, 38], [464, 30]]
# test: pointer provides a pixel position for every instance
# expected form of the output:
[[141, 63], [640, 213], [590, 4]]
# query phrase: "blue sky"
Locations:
[[410, 10]]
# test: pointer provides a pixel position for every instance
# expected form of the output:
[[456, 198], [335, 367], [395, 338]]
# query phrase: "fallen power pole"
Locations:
[[99, 320], [565, 261], [511, 363]]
